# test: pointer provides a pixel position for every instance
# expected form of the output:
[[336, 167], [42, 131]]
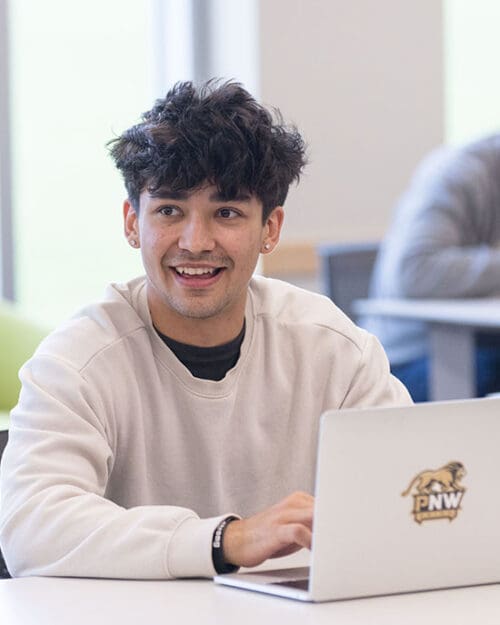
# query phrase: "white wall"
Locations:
[[364, 82]]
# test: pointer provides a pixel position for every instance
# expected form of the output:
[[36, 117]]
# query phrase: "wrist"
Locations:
[[220, 562]]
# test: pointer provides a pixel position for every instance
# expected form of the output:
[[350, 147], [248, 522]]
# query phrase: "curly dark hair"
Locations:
[[216, 133]]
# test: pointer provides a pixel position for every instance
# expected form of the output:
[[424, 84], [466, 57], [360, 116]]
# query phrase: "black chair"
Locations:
[[345, 271], [4, 436]]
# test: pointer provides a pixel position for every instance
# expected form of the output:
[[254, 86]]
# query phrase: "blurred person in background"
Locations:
[[444, 242]]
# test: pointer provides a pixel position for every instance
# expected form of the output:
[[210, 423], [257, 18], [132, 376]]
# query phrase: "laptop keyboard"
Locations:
[[302, 584], [297, 577]]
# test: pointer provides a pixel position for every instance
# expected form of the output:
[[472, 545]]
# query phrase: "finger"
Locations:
[[302, 515], [294, 534], [286, 551], [300, 498]]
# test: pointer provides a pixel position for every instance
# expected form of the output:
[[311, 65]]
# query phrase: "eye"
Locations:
[[228, 213], [169, 211]]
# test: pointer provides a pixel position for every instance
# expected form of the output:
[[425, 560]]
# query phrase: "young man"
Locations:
[[170, 430]]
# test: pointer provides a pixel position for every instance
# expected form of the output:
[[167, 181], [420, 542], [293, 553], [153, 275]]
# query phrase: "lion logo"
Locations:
[[437, 494]]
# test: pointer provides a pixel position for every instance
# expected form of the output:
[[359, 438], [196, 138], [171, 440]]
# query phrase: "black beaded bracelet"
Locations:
[[220, 565]]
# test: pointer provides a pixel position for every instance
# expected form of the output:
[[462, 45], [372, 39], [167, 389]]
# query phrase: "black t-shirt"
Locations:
[[208, 363]]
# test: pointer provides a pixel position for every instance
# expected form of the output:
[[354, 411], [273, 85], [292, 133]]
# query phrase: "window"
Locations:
[[80, 72], [472, 47]]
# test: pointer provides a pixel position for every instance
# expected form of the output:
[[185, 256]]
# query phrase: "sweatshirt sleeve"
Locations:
[[55, 517]]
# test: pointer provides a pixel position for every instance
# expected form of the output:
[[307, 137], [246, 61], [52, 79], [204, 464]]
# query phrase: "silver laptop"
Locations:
[[407, 499]]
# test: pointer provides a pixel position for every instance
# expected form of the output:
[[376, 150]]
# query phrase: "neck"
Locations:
[[208, 332]]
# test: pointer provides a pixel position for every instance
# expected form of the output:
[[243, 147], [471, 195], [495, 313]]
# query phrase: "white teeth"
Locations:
[[194, 271]]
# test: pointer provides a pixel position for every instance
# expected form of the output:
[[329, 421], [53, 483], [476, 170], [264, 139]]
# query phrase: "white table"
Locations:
[[57, 601], [452, 327]]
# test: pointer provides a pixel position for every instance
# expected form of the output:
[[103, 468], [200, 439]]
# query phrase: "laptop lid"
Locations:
[[407, 499]]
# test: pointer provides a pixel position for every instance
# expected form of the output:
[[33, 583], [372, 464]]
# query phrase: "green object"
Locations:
[[19, 338]]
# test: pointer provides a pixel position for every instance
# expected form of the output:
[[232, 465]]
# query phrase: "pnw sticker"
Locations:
[[437, 494]]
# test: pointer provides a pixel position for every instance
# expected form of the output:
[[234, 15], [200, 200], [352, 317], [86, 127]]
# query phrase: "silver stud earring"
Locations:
[[133, 242], [267, 246]]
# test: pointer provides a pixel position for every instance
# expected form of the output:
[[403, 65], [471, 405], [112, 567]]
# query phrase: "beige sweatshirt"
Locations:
[[120, 463]]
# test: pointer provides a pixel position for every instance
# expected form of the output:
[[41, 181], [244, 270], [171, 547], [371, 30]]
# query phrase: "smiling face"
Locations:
[[199, 253]]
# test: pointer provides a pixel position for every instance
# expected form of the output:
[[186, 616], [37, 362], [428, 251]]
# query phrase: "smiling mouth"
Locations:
[[197, 272]]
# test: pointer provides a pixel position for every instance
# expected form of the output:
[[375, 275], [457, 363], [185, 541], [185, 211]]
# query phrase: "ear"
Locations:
[[130, 224], [272, 229]]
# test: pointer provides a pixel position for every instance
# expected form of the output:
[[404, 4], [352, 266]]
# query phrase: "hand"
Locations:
[[277, 531]]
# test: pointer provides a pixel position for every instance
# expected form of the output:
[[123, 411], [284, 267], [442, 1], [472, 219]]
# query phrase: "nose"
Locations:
[[196, 235]]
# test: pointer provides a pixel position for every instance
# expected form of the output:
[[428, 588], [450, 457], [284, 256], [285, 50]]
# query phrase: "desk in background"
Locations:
[[452, 327], [59, 601]]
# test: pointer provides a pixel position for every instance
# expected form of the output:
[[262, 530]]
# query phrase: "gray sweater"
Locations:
[[444, 241]]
